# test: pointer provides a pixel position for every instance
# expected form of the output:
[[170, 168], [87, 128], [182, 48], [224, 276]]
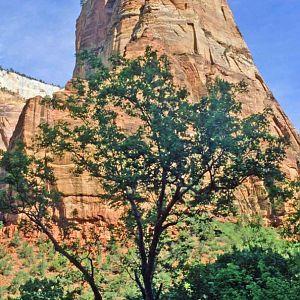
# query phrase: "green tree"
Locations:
[[5, 262], [249, 274], [31, 193], [291, 226], [178, 157], [42, 289]]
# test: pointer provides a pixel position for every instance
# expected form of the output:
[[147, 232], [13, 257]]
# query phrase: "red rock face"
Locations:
[[11, 106], [14, 89], [203, 42], [200, 38], [80, 194]]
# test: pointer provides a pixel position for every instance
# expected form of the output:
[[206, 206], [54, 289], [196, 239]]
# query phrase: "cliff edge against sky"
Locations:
[[202, 41]]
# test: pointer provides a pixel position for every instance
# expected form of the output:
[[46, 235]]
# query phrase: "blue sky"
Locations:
[[37, 37], [271, 29]]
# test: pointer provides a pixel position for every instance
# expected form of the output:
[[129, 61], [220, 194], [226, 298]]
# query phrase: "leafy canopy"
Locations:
[[205, 149], [160, 156]]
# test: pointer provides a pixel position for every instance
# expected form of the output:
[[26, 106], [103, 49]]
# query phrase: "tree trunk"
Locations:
[[148, 289], [96, 292], [72, 259]]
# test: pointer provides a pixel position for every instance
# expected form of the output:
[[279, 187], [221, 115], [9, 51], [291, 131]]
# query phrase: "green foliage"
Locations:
[[114, 271], [250, 274], [20, 278], [16, 240], [177, 159], [42, 289], [3, 292], [29, 178], [26, 253], [39, 269], [46, 249], [205, 239], [179, 155], [230, 236], [291, 226], [58, 263], [5, 262]]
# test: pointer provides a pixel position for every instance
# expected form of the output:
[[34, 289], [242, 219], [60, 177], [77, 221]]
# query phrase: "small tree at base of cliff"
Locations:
[[171, 155], [30, 193]]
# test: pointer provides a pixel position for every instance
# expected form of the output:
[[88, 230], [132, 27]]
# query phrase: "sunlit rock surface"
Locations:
[[203, 42], [14, 90]]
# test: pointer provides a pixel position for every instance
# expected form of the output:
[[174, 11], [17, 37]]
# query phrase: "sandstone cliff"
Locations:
[[11, 105], [14, 90], [202, 41], [80, 193]]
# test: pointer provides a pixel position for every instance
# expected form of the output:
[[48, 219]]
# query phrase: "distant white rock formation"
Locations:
[[15, 89], [24, 86]]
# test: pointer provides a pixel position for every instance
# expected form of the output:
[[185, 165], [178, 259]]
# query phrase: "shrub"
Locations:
[[5, 262], [26, 252], [3, 292], [19, 279], [250, 274], [41, 289], [16, 240], [58, 264], [39, 269]]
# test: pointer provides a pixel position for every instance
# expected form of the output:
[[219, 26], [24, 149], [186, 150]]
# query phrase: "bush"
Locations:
[[26, 253], [5, 262], [58, 264], [250, 274], [3, 292], [46, 249], [19, 279], [39, 269], [41, 289], [16, 240], [228, 237]]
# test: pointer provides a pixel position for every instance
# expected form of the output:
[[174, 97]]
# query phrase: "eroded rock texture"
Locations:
[[80, 194], [202, 41], [14, 90], [11, 105]]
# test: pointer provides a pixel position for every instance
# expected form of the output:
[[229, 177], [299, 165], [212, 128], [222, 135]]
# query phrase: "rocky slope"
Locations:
[[202, 41], [14, 90]]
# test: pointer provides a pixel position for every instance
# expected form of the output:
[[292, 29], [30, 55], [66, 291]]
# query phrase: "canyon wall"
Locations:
[[203, 42], [80, 194], [14, 90]]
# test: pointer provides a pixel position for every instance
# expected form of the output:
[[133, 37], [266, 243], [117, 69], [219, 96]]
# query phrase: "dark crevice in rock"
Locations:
[[223, 11], [195, 42]]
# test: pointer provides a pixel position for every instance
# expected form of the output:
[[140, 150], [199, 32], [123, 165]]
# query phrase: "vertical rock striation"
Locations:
[[80, 194], [202, 41]]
